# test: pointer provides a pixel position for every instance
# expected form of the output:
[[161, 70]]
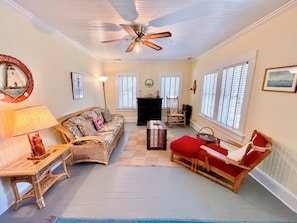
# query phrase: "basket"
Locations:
[[209, 137]]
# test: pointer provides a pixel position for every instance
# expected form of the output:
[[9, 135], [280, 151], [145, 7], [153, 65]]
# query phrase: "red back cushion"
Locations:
[[259, 140]]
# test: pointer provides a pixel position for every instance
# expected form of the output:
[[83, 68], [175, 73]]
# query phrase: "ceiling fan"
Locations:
[[137, 33]]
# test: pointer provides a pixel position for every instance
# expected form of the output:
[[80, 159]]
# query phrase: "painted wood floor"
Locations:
[[98, 191]]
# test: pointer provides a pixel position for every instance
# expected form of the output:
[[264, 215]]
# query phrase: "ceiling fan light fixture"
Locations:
[[137, 47], [137, 33]]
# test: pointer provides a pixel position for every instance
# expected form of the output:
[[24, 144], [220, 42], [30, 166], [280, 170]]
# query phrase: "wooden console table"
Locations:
[[36, 172]]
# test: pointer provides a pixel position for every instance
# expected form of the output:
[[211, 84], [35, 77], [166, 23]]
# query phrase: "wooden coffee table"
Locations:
[[156, 135]]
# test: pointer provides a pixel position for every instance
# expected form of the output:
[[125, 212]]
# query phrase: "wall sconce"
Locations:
[[33, 119], [103, 79], [194, 87]]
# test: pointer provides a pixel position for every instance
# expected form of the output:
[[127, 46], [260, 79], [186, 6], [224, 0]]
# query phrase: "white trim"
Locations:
[[277, 12], [280, 192], [49, 28]]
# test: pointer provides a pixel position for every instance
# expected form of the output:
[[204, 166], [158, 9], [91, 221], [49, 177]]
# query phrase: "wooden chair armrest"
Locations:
[[229, 141], [222, 157]]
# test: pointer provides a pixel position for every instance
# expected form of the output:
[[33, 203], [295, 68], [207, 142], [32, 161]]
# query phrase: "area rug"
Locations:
[[136, 153], [54, 219]]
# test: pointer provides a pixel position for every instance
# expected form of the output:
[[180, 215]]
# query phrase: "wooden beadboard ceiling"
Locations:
[[197, 26]]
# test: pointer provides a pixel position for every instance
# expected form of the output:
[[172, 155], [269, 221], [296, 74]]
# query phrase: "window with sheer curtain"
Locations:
[[127, 91], [225, 94]]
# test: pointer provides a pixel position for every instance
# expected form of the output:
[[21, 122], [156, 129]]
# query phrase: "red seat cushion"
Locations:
[[187, 146], [227, 168]]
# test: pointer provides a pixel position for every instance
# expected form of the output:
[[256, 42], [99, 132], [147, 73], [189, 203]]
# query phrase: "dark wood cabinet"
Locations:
[[148, 109]]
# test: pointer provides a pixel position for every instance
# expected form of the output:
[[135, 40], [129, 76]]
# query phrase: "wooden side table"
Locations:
[[36, 172]]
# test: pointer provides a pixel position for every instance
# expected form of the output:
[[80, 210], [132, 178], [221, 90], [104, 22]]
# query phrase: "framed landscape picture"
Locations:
[[77, 85], [281, 79]]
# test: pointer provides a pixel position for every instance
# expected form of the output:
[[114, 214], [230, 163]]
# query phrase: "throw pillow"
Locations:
[[106, 115], [98, 122], [87, 128]]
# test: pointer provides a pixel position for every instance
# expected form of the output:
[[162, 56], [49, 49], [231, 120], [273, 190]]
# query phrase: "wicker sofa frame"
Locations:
[[90, 148]]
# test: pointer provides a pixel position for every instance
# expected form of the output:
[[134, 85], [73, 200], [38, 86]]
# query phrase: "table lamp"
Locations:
[[31, 120]]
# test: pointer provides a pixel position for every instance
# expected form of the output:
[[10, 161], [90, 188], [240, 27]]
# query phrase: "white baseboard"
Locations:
[[130, 119], [275, 188]]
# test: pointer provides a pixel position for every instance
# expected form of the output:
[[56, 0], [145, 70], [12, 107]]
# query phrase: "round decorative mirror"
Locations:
[[149, 83], [16, 82]]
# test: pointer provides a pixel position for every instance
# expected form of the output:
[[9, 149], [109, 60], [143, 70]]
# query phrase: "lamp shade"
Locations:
[[103, 78], [32, 119]]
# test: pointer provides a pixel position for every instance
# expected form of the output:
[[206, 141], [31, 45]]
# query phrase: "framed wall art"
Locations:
[[77, 85], [280, 79]]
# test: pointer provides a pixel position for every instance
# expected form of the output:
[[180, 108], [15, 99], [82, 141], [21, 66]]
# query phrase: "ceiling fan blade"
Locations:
[[131, 47], [129, 30], [126, 9], [157, 35], [152, 45], [115, 40]]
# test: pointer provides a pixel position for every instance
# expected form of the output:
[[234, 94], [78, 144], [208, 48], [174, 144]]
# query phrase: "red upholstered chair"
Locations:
[[229, 168], [185, 150]]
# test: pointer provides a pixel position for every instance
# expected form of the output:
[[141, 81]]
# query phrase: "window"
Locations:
[[127, 91], [170, 86], [225, 94], [232, 95], [209, 93]]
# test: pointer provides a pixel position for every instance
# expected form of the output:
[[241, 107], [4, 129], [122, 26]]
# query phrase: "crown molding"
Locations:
[[279, 11], [47, 27]]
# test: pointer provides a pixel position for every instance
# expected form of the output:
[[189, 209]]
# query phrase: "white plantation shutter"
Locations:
[[208, 94], [170, 87], [127, 91], [232, 95], [225, 94]]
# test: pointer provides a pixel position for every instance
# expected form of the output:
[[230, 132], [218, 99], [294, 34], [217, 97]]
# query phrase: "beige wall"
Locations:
[[50, 59], [271, 112], [148, 69]]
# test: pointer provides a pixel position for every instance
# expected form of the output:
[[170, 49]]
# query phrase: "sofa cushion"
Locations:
[[187, 146], [87, 128], [89, 114], [106, 115], [71, 125]]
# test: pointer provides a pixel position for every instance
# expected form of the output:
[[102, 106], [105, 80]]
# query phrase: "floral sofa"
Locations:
[[94, 133]]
